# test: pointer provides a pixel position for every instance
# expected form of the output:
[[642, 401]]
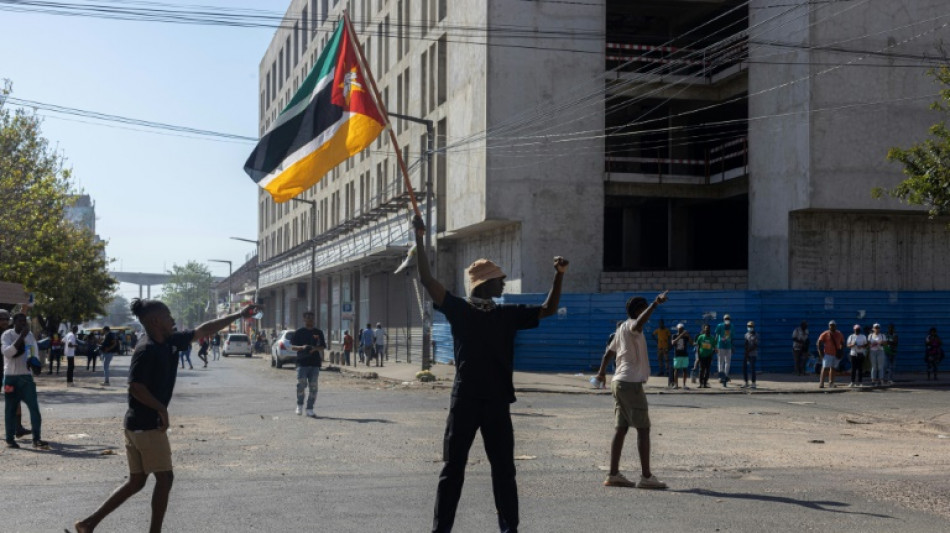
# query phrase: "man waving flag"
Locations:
[[331, 117]]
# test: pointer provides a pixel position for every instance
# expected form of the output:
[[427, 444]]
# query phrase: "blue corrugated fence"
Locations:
[[574, 339]]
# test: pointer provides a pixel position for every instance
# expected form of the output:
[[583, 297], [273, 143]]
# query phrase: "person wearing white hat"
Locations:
[[876, 342], [858, 342], [681, 353]]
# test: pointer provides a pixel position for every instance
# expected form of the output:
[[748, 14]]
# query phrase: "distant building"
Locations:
[[82, 212]]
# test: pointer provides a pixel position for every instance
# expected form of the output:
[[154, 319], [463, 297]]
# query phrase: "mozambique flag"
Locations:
[[331, 117]]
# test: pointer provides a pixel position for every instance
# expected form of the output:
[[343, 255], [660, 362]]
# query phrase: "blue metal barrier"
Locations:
[[574, 339]]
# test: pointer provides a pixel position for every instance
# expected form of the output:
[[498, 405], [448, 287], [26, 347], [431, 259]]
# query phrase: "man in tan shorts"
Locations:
[[629, 348], [152, 374]]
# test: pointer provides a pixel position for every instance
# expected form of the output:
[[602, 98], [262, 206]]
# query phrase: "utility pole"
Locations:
[[427, 303]]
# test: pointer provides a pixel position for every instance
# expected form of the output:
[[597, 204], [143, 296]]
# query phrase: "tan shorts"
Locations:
[[630, 405], [148, 451]]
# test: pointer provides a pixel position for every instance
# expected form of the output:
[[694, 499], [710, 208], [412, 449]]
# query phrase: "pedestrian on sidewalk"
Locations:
[[152, 374], [800, 347], [858, 343], [368, 344], [19, 348], [216, 346], [890, 352], [876, 343], [71, 343], [933, 352], [20, 431], [662, 336], [483, 333], [92, 351], [379, 334], [751, 355], [184, 354], [705, 348], [681, 353], [347, 347], [724, 349], [629, 349], [55, 353], [831, 345], [309, 343], [110, 347]]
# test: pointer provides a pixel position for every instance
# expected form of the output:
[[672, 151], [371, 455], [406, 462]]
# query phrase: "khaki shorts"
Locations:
[[148, 451], [630, 405]]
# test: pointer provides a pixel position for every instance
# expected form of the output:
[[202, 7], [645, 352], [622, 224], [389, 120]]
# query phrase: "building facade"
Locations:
[[711, 144]]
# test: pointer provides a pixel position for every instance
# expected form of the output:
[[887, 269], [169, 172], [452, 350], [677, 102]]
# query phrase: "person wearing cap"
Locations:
[[830, 343], [751, 355], [379, 335], [681, 353], [308, 342], [890, 351], [876, 343], [483, 334], [18, 345], [724, 349], [858, 343]]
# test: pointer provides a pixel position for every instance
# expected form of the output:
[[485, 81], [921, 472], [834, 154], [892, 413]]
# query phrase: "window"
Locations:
[[287, 57], [440, 142], [324, 9], [386, 44], [399, 30], [313, 16], [408, 21], [432, 73], [303, 22], [442, 6], [379, 48], [273, 80], [425, 15], [405, 92], [296, 42], [295, 241], [399, 109], [280, 72], [263, 105], [442, 70], [267, 89], [423, 83]]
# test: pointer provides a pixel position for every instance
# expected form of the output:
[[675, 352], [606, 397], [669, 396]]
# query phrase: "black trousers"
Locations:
[[466, 416], [704, 363], [857, 367], [70, 367]]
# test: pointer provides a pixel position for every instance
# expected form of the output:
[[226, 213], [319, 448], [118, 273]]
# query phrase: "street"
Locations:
[[863, 461]]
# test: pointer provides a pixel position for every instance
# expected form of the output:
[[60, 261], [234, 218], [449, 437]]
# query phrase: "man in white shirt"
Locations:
[[858, 343], [629, 348], [380, 335], [18, 346], [70, 341]]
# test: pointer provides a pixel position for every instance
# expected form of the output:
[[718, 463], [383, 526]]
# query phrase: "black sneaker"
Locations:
[[41, 444], [22, 432], [12, 444]]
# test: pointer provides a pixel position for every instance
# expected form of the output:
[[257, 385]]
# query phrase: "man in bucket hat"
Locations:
[[483, 333]]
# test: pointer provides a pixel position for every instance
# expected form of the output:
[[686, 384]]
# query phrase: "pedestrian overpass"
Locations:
[[144, 279]]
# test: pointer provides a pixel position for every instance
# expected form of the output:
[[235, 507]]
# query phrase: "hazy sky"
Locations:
[[160, 199]]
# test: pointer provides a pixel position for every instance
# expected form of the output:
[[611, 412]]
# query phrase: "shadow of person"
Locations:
[[357, 420], [817, 505]]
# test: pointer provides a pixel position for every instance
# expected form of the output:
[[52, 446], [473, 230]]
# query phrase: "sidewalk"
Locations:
[[566, 383]]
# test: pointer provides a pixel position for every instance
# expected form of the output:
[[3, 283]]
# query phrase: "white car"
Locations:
[[236, 344], [280, 351]]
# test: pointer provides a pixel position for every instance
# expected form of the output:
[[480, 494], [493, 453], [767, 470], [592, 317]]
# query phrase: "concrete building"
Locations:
[[705, 144]]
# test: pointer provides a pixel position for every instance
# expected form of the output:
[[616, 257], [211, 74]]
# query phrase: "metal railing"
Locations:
[[669, 60], [718, 160]]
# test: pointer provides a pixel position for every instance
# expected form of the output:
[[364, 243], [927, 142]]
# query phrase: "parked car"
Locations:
[[280, 351], [236, 344]]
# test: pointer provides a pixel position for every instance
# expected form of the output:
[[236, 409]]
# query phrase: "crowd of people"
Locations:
[[867, 352]]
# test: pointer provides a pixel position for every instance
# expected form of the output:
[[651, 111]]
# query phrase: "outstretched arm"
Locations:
[[609, 356], [645, 315], [549, 307], [433, 287], [211, 326]]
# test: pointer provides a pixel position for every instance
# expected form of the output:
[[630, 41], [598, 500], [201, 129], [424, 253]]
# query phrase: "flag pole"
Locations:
[[364, 66]]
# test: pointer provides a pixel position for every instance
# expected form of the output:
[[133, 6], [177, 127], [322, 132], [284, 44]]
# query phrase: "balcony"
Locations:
[[721, 162]]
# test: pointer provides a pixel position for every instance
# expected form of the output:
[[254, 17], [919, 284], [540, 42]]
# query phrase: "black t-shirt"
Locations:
[[308, 337], [485, 346], [107, 342], [156, 367]]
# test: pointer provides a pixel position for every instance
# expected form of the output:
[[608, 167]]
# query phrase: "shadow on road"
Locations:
[[74, 451], [357, 420], [117, 395], [829, 506]]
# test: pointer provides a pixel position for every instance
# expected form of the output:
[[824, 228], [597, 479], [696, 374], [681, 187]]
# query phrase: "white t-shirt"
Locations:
[[16, 366], [876, 340], [380, 337], [633, 362], [860, 343], [70, 338]]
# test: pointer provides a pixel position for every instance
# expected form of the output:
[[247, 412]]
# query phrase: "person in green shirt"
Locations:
[[705, 347]]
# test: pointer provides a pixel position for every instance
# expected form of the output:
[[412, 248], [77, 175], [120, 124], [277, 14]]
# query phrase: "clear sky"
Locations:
[[160, 199]]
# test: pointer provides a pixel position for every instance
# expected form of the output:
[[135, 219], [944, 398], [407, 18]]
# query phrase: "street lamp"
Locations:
[[229, 279], [313, 251], [257, 269]]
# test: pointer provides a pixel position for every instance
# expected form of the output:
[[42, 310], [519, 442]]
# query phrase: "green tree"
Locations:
[[188, 293], [117, 312], [64, 266], [926, 164]]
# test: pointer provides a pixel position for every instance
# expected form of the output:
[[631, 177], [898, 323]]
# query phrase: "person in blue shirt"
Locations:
[[724, 348], [368, 343]]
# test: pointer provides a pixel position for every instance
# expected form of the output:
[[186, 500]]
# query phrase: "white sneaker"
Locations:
[[618, 480], [299, 409], [311, 414], [752, 386], [650, 483]]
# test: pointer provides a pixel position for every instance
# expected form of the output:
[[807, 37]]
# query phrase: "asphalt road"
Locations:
[[858, 462]]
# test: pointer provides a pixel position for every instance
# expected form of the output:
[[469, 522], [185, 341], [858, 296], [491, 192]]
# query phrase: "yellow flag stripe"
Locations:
[[356, 134]]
